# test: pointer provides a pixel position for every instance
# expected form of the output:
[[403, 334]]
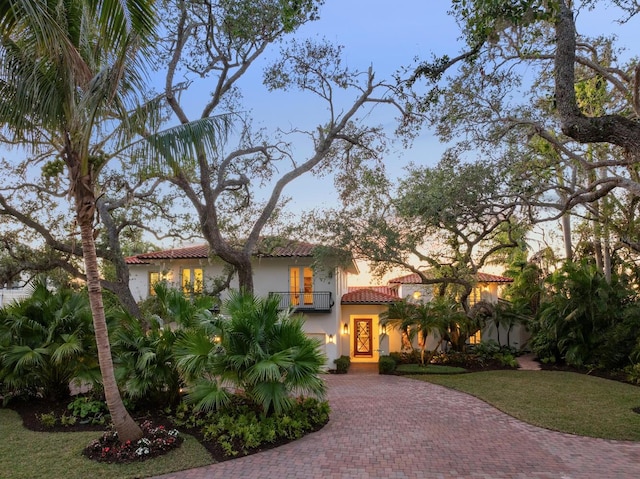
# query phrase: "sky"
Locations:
[[381, 34], [386, 36]]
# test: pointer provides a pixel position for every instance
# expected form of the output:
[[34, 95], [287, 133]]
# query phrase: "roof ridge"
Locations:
[[288, 248]]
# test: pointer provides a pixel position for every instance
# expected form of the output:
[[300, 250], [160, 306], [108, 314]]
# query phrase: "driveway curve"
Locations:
[[397, 428]]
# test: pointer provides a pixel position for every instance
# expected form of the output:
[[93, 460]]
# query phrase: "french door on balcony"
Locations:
[[301, 286], [363, 338]]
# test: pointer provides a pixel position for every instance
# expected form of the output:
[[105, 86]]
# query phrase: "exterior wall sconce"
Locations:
[[417, 294], [383, 329], [345, 328], [331, 340]]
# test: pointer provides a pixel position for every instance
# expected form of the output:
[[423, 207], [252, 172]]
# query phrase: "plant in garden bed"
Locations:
[[386, 365], [342, 364], [156, 440], [491, 352], [262, 351], [241, 428], [89, 410]]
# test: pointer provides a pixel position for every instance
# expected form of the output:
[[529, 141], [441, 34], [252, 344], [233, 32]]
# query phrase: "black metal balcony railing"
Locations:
[[318, 302]]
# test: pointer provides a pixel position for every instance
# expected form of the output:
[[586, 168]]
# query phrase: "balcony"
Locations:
[[319, 302]]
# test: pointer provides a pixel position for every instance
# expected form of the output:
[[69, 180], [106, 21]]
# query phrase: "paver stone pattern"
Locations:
[[389, 427]]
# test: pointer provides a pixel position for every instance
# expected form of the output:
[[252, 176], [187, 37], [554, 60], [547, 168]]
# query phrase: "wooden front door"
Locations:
[[363, 338]]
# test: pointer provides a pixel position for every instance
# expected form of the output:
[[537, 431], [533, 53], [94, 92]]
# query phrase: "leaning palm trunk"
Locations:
[[124, 424], [432, 353]]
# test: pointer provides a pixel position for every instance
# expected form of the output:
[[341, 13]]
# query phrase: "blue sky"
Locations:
[[382, 34], [385, 35]]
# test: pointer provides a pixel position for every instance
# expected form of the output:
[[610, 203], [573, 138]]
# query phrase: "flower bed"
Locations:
[[156, 440]]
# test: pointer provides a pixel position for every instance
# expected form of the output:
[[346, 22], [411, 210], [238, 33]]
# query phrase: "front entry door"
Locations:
[[363, 338]]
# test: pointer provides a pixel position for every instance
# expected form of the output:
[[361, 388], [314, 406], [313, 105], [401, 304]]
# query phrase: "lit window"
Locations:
[[301, 284], [475, 339], [192, 280], [154, 278]]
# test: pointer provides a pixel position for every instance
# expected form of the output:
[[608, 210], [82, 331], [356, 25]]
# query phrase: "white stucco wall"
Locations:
[[270, 275]]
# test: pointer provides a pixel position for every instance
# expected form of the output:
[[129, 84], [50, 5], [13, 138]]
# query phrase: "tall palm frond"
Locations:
[[177, 148]]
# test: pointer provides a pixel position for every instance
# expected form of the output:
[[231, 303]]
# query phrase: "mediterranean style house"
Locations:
[[345, 320]]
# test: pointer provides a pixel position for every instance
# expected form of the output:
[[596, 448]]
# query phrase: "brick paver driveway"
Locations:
[[392, 427]]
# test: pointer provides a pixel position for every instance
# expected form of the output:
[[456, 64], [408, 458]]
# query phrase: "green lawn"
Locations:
[[26, 454], [568, 402]]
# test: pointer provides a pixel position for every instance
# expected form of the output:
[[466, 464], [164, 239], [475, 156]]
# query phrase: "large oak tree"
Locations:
[[238, 190]]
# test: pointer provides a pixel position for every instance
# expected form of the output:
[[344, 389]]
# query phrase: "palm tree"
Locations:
[[66, 66], [400, 315], [421, 319], [429, 319]]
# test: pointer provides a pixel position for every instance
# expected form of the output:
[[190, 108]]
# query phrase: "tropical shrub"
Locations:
[[260, 350], [586, 321], [342, 364], [146, 366], [47, 341], [386, 365]]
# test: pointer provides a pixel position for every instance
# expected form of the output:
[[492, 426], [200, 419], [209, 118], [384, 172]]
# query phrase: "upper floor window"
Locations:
[[192, 280], [301, 285]]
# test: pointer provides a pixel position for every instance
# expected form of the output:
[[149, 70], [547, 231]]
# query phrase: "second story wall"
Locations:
[[283, 275]]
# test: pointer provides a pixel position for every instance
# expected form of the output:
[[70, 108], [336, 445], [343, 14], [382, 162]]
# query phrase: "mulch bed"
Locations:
[[30, 412]]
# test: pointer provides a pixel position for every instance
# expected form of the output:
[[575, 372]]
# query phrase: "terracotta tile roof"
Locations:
[[414, 278], [369, 295], [291, 249], [492, 278], [134, 260], [189, 252]]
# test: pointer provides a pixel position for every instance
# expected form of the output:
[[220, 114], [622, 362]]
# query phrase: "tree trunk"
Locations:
[[566, 236], [607, 257], [239, 259], [120, 287], [245, 275], [123, 292], [615, 129], [126, 427]]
